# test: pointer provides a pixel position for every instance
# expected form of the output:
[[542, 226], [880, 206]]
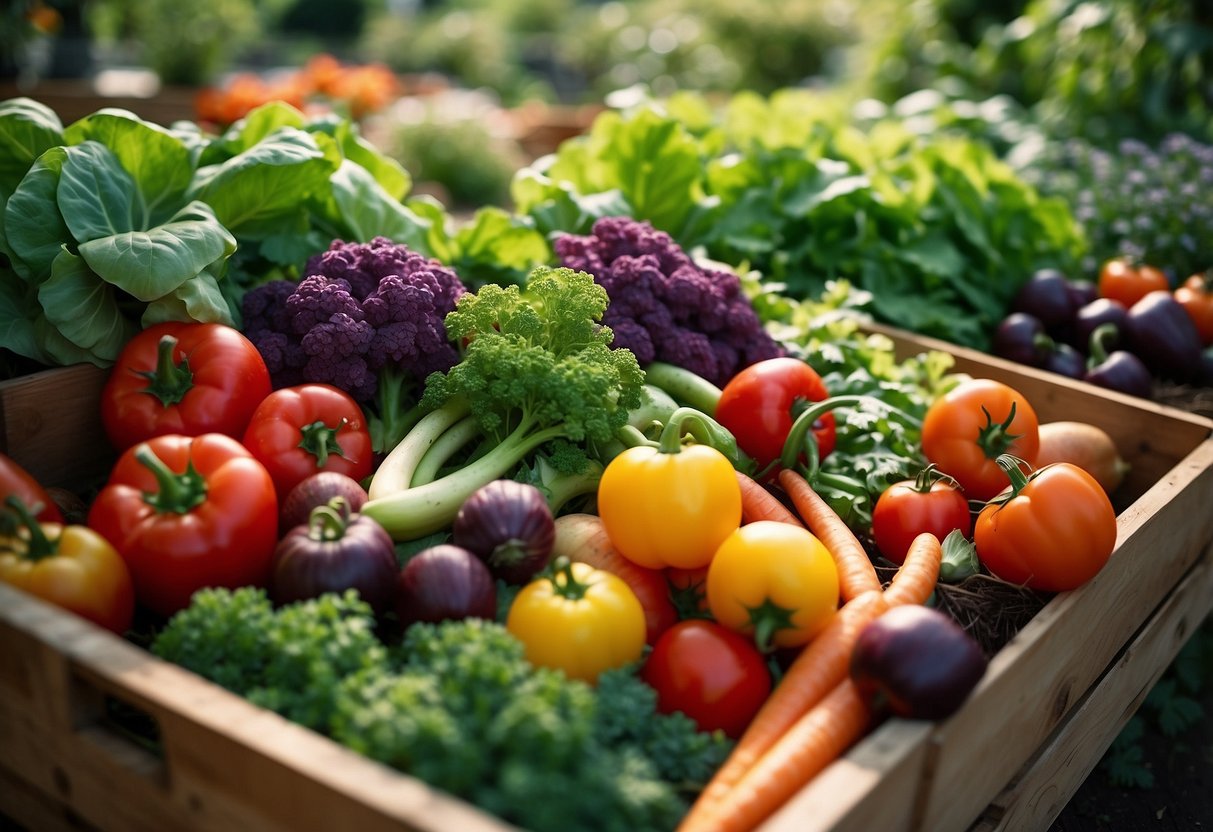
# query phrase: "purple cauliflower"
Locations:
[[664, 306], [365, 317]]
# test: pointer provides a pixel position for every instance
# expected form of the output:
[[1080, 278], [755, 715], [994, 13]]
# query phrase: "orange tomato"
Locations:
[[1127, 281]]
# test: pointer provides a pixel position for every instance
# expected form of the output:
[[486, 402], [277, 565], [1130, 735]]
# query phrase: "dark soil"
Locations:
[[1181, 799]]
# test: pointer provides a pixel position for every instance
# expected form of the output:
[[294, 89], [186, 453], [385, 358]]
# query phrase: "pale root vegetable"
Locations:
[[1088, 446]]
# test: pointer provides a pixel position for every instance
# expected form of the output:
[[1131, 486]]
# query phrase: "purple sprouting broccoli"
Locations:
[[367, 318], [664, 306]]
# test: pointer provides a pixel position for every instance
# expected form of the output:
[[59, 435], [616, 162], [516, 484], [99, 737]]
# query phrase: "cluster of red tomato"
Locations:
[[207, 451], [1050, 528]]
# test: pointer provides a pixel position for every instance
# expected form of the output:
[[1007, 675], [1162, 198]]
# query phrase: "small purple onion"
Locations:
[[316, 490], [509, 526], [445, 582]]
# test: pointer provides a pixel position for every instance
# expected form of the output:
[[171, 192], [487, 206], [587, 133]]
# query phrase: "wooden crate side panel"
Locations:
[[226, 765], [1036, 679], [49, 424], [875, 786], [1042, 790]]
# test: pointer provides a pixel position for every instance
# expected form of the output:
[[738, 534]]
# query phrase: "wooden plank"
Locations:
[[226, 764], [49, 424], [1050, 664], [874, 786], [1039, 793]]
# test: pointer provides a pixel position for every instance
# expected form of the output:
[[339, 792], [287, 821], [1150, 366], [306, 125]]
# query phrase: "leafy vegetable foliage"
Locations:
[[457, 705], [938, 228]]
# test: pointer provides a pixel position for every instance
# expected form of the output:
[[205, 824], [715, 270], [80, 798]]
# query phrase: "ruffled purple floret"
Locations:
[[359, 309], [666, 307]]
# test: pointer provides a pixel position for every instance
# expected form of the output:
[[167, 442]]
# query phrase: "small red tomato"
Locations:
[[760, 403], [1123, 280], [16, 481], [713, 675], [931, 502], [302, 430]]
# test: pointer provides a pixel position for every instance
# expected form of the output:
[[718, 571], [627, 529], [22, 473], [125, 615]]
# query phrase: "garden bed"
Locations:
[[1052, 701]]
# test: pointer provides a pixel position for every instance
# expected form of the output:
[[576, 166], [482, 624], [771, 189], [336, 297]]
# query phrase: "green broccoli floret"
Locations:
[[465, 712], [536, 366], [290, 661]]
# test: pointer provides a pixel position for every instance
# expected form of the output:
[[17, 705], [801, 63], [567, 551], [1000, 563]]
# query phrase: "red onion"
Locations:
[[445, 582], [509, 526]]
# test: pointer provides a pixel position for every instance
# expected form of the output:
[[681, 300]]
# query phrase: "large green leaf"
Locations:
[[268, 180], [157, 160], [197, 299], [33, 227], [84, 308], [149, 264], [388, 172], [18, 310], [28, 128], [97, 197], [366, 210]]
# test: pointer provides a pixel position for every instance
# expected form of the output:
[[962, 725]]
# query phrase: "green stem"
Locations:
[[564, 582], [684, 386], [319, 440], [410, 513], [39, 546], [176, 493], [170, 381], [801, 433], [395, 473], [328, 522], [443, 448]]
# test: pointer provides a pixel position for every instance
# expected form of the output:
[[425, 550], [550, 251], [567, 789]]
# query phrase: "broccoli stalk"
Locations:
[[536, 367]]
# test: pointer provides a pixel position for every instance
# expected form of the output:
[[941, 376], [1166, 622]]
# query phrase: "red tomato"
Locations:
[[1195, 295], [183, 378], [16, 481], [906, 509], [1054, 532], [713, 675], [188, 512], [1123, 280], [302, 430], [966, 430], [760, 403]]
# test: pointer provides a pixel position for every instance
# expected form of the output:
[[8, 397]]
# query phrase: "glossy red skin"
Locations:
[[15, 480], [757, 407], [275, 431], [229, 380], [227, 540], [713, 675], [902, 513]]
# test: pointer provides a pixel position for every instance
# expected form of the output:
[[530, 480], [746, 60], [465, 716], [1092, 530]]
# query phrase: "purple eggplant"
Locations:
[[1017, 338], [1095, 314], [1047, 297], [1082, 292], [334, 551], [918, 662], [1118, 370], [1161, 333], [445, 582], [1064, 360], [509, 526]]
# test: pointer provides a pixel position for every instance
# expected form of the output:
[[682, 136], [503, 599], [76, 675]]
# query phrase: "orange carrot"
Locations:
[[817, 739], [856, 574], [916, 578], [824, 662], [759, 504]]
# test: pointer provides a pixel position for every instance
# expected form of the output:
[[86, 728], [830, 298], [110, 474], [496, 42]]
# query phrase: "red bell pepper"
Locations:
[[186, 513], [184, 378]]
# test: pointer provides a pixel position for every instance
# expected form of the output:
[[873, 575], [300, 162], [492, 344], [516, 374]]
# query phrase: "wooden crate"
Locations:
[[1052, 701]]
